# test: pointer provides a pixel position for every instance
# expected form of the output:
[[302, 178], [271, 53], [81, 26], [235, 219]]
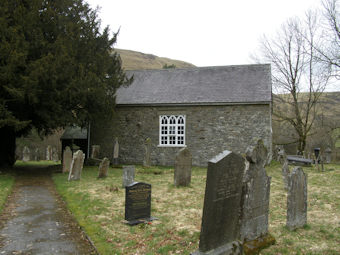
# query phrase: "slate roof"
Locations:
[[243, 84], [74, 133]]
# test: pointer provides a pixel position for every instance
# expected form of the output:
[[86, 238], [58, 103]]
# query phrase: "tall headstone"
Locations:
[[285, 174], [116, 152], [255, 201], [49, 152], [147, 155], [26, 154], [104, 168], [128, 175], [76, 166], [67, 159], [55, 156], [95, 151], [328, 155], [138, 203], [297, 199], [220, 221], [183, 162], [37, 154]]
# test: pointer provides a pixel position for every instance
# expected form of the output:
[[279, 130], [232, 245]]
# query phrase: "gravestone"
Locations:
[[116, 152], [220, 221], [138, 203], [67, 159], [128, 175], [26, 153], [328, 155], [147, 155], [255, 201], [285, 174], [282, 156], [183, 162], [297, 199], [55, 157], [104, 168], [76, 166], [37, 154], [95, 151], [49, 152]]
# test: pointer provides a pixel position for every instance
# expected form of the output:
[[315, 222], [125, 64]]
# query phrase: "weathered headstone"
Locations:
[[37, 154], [104, 168], [55, 156], [116, 152], [138, 203], [328, 155], [95, 151], [49, 152], [285, 174], [282, 156], [128, 175], [220, 221], [183, 162], [76, 166], [26, 154], [255, 201], [67, 159], [297, 199], [147, 155]]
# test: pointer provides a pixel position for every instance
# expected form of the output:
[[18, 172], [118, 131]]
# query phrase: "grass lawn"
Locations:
[[98, 205], [6, 184]]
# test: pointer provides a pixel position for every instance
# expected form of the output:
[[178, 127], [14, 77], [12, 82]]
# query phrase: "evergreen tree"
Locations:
[[56, 68]]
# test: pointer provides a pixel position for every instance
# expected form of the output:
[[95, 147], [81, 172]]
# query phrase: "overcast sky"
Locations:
[[202, 32]]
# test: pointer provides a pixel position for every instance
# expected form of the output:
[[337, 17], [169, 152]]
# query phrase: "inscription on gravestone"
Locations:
[[297, 199], [220, 221], [138, 203], [128, 175]]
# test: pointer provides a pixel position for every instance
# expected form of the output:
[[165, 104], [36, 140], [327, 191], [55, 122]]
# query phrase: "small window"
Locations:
[[172, 130]]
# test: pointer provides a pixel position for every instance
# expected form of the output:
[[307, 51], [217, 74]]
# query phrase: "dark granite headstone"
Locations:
[[297, 199], [220, 221], [138, 203], [255, 201], [183, 161]]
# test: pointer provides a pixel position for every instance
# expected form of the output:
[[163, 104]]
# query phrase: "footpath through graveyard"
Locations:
[[36, 221]]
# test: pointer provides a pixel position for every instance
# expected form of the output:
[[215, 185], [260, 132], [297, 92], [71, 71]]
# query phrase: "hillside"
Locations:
[[133, 60]]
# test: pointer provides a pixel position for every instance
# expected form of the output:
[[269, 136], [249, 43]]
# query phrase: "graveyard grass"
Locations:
[[6, 184], [98, 206]]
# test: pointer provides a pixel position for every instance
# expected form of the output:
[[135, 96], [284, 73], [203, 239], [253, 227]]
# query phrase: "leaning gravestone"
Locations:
[[95, 151], [147, 155], [128, 175], [104, 168], [26, 154], [297, 199], [116, 152], [67, 159], [138, 203], [255, 201], [183, 162], [220, 221], [76, 166]]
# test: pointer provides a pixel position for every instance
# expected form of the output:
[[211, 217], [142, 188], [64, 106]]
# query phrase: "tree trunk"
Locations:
[[7, 146]]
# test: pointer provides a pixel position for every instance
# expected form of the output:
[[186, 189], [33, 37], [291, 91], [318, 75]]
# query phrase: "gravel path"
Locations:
[[35, 220]]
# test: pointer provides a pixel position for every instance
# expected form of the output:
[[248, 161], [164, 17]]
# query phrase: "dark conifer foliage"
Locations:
[[56, 68]]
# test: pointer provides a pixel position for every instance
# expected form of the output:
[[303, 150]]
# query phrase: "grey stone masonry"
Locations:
[[183, 161], [220, 221], [128, 175], [208, 131], [104, 168], [256, 191], [297, 199], [76, 166], [67, 159]]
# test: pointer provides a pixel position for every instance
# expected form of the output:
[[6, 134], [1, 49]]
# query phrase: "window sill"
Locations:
[[171, 146]]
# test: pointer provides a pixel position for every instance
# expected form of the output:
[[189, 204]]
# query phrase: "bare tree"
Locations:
[[298, 79]]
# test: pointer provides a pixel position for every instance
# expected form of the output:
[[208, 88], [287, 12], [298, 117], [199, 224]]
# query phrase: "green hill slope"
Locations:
[[133, 60]]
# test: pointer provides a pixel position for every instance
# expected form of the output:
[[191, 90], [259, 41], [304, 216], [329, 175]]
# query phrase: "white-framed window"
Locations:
[[172, 130]]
